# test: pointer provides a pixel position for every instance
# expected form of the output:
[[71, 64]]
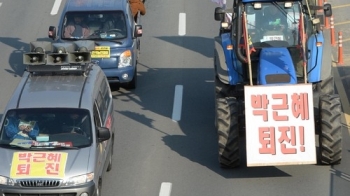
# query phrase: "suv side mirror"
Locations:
[[52, 32], [219, 14], [103, 134], [327, 8], [138, 31]]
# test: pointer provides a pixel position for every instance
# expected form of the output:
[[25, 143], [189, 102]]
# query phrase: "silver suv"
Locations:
[[57, 132]]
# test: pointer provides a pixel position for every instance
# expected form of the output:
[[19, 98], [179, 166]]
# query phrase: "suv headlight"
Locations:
[[6, 181], [77, 180], [125, 59]]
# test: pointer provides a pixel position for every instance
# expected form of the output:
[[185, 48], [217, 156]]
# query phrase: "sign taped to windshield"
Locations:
[[101, 52]]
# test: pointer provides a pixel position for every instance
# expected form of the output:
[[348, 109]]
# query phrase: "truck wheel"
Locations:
[[330, 138], [228, 131]]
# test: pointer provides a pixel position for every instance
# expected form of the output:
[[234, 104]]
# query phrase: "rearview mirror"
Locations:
[[327, 8], [52, 32], [219, 14]]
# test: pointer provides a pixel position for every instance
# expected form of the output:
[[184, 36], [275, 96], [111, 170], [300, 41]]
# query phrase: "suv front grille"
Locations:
[[39, 183]]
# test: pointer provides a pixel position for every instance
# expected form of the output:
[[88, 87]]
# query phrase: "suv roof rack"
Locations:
[[59, 58]]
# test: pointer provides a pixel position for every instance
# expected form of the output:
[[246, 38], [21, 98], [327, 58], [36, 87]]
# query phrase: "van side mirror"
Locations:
[[219, 14], [103, 134], [52, 32], [327, 9], [138, 31]]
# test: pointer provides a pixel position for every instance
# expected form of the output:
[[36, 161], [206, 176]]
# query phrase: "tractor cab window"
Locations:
[[273, 24]]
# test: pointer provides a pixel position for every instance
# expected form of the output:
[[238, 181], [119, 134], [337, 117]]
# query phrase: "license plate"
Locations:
[[101, 52], [273, 37]]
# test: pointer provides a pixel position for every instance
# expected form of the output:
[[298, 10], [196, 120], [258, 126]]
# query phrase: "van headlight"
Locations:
[[125, 59], [6, 181], [77, 180]]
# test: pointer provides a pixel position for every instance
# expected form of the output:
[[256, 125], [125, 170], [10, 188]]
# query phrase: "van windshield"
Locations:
[[46, 128], [104, 25]]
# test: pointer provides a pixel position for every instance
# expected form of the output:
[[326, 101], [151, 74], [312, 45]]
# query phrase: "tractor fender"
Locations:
[[219, 61], [276, 67], [228, 68], [327, 61], [319, 65]]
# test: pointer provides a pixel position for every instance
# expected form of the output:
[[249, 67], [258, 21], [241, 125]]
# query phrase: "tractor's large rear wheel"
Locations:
[[330, 137], [228, 131]]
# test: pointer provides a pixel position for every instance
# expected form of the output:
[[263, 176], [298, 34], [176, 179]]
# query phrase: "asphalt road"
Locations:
[[166, 141]]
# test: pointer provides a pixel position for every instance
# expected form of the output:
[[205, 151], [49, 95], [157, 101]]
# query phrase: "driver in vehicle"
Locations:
[[77, 28], [274, 18], [116, 22], [74, 123]]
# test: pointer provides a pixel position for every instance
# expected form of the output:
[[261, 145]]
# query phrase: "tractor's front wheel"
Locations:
[[228, 131], [330, 137]]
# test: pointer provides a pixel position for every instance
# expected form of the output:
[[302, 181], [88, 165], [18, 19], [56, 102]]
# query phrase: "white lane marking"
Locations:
[[165, 189], [56, 7], [182, 24], [177, 103], [0, 4]]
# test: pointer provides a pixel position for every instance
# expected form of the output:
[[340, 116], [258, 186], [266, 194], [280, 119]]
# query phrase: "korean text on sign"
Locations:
[[283, 128], [38, 164]]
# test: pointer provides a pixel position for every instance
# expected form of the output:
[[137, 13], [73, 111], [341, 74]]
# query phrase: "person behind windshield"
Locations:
[[73, 124], [274, 18], [20, 127], [77, 28], [115, 21]]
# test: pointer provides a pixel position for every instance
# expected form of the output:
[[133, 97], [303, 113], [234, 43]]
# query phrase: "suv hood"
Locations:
[[56, 164]]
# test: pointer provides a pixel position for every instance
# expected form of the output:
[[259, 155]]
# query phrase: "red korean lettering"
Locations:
[[287, 136], [259, 104], [23, 169], [301, 136], [39, 157], [300, 106], [282, 106], [25, 156], [267, 140], [52, 168], [54, 157]]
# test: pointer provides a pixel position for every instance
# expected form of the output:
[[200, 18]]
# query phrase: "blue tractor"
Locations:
[[291, 48]]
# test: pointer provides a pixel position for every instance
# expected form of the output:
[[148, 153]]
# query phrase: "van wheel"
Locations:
[[110, 160], [98, 191], [132, 83]]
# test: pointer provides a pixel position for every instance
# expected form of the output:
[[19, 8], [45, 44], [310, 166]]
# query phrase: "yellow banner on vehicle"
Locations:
[[38, 164], [101, 52]]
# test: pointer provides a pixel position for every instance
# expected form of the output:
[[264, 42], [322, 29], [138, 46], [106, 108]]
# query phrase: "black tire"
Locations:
[[330, 138], [228, 132], [99, 187], [132, 83], [326, 87], [110, 158]]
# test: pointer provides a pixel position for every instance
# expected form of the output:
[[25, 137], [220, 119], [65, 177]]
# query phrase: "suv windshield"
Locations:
[[46, 128], [274, 22], [104, 25]]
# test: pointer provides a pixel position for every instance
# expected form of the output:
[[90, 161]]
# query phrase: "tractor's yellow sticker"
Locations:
[[38, 164], [101, 52]]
